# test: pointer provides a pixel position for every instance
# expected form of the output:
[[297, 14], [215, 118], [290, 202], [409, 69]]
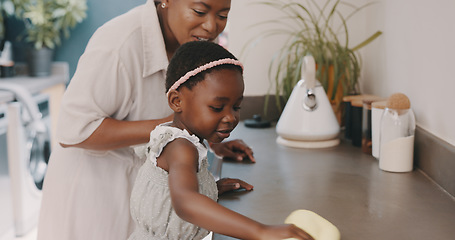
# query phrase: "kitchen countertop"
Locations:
[[35, 84], [343, 185]]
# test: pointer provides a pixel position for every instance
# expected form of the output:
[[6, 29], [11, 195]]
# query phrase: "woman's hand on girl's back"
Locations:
[[274, 232]]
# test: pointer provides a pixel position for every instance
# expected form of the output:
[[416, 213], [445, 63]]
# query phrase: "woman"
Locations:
[[118, 87]]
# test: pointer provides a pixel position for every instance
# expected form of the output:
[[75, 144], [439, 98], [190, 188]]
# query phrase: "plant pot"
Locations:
[[337, 97], [39, 61]]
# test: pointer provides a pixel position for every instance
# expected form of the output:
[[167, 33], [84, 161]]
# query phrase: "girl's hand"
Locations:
[[229, 184], [272, 232], [235, 149]]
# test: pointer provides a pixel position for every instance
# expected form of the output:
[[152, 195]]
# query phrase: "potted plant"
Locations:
[[46, 21], [6, 56], [321, 31], [6, 9]]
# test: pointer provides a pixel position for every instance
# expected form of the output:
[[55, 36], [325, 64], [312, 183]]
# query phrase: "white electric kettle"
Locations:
[[308, 120]]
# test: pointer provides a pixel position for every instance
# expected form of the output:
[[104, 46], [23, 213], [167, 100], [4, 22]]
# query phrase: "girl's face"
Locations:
[[194, 20], [211, 109]]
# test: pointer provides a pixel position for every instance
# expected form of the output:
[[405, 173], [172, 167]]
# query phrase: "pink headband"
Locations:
[[202, 68]]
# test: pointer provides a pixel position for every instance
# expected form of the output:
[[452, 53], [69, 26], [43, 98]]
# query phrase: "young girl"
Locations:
[[174, 196]]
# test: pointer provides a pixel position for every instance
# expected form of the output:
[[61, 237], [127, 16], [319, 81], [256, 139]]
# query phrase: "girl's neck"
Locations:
[[177, 124]]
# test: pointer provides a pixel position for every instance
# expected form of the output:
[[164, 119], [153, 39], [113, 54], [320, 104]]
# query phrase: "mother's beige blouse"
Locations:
[[120, 75]]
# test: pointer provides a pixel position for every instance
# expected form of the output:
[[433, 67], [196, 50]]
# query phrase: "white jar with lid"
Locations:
[[397, 135]]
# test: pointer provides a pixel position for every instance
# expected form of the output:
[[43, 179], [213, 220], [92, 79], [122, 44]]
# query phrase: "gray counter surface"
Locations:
[[343, 185]]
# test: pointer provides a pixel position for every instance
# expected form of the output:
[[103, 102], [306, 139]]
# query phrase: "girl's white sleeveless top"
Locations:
[[150, 202]]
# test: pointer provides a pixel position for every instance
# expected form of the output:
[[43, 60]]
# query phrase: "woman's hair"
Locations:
[[192, 55]]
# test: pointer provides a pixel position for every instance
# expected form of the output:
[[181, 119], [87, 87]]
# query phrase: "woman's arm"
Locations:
[[180, 159], [112, 134]]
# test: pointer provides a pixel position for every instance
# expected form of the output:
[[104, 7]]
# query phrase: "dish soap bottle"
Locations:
[[397, 135]]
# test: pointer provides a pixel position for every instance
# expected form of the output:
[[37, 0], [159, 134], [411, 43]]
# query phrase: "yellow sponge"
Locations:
[[318, 227]]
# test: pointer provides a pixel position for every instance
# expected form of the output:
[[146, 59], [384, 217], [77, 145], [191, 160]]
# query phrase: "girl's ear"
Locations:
[[175, 101]]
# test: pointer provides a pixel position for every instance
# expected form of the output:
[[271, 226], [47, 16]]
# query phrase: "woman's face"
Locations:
[[194, 20]]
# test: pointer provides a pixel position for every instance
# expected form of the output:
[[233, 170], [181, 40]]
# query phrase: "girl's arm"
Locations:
[[180, 159]]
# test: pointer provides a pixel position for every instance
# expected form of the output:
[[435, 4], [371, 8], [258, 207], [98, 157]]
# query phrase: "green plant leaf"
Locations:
[[47, 21], [367, 41]]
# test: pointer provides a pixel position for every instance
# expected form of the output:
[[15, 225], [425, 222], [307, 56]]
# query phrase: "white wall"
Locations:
[[243, 29], [415, 55]]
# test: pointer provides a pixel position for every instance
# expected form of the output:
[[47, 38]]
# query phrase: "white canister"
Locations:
[[397, 135], [377, 109]]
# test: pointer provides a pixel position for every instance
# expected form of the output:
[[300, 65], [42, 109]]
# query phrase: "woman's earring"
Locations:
[[163, 5]]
